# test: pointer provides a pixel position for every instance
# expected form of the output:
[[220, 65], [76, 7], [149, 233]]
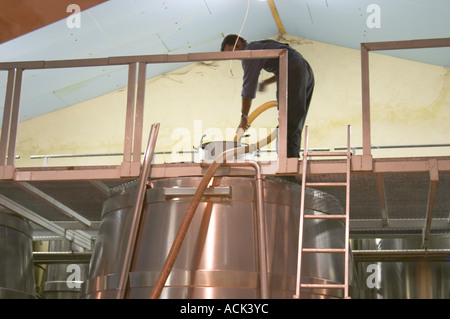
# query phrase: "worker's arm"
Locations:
[[245, 109], [263, 84]]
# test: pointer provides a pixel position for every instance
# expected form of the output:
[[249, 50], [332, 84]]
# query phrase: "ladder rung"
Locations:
[[333, 286], [326, 184], [324, 216], [326, 154], [323, 250]]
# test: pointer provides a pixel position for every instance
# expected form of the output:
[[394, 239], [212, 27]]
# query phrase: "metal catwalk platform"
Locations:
[[400, 196]]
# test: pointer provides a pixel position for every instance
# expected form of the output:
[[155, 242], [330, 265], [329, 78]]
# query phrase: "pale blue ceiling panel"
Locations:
[[39, 105], [44, 91], [35, 81], [3, 79], [157, 69], [132, 30], [108, 81], [149, 44], [139, 27], [54, 42], [214, 18], [350, 22]]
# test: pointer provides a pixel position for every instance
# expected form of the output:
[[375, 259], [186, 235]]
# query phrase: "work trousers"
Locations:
[[300, 91]]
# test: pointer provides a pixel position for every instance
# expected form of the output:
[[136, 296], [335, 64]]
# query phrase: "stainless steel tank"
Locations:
[[16, 257], [64, 280], [219, 256], [406, 279]]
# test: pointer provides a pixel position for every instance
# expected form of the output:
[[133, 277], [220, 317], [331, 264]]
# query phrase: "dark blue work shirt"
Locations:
[[252, 67]]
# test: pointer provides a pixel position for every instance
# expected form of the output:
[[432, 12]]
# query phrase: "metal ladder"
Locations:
[[345, 217]]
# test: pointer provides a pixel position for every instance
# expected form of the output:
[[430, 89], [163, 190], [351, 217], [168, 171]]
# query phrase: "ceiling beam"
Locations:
[[276, 17]]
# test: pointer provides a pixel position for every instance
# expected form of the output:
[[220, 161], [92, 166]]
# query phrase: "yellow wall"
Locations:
[[410, 105]]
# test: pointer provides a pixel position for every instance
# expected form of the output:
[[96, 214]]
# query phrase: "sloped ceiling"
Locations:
[[136, 27]]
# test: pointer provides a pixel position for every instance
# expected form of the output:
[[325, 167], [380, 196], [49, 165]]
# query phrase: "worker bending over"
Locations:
[[300, 84]]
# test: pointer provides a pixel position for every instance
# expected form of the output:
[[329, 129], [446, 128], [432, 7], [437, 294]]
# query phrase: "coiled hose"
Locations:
[[221, 158]]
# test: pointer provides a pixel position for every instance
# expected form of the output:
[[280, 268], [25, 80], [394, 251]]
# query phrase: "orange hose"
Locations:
[[262, 108]]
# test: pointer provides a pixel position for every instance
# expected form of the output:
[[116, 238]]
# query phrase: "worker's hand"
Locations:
[[244, 123], [262, 86]]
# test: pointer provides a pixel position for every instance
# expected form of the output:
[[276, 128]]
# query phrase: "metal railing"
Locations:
[[137, 68]]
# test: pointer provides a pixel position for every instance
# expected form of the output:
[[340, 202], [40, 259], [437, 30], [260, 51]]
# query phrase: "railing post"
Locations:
[[282, 112], [365, 86], [131, 97], [139, 114], [7, 116], [10, 123]]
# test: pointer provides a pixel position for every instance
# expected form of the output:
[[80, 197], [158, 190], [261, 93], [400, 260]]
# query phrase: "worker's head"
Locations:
[[233, 42]]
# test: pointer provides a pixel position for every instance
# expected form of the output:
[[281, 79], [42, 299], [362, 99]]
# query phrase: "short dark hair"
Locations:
[[231, 39]]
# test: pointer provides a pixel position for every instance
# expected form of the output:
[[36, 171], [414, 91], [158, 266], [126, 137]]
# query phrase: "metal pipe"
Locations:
[[317, 149], [262, 238], [347, 215], [301, 218], [360, 255], [140, 195], [48, 156], [401, 255], [261, 232], [396, 146], [61, 257]]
